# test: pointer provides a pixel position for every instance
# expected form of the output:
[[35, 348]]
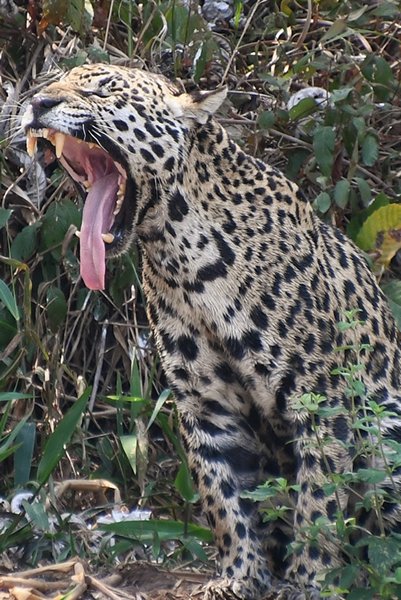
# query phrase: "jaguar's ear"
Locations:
[[198, 105]]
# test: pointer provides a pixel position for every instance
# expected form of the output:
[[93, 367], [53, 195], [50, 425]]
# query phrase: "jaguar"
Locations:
[[245, 290]]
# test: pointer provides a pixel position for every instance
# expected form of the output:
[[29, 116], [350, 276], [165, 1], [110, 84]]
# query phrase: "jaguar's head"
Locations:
[[112, 127]]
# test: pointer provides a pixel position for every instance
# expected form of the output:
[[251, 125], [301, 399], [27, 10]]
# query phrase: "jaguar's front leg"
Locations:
[[321, 458], [224, 458]]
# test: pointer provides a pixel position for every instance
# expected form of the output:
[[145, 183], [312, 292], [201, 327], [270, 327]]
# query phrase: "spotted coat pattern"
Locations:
[[245, 287]]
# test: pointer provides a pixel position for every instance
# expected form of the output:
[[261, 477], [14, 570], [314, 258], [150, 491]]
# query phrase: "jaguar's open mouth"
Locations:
[[103, 182]]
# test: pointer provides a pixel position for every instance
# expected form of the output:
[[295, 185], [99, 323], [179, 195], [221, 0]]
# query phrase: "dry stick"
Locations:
[[106, 35], [38, 584], [98, 371], [247, 24], [306, 26]]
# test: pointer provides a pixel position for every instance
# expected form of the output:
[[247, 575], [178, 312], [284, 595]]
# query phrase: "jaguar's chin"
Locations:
[[104, 184]]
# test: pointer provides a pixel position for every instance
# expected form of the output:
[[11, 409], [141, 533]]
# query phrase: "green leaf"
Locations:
[[8, 300], [370, 150], [144, 531], [303, 108], [386, 9], [5, 214], [341, 192], [36, 512], [361, 594], [7, 396], [129, 444], [266, 119], [56, 307], [184, 484], [25, 243], [383, 553], [161, 400], [56, 444], [56, 222], [371, 475], [322, 202], [392, 289], [25, 441], [340, 94], [323, 144], [364, 190], [337, 29]]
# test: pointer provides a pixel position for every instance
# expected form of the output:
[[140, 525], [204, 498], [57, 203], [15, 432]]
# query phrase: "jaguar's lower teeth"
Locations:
[[107, 237]]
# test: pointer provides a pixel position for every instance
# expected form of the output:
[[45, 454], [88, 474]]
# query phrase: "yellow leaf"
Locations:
[[380, 235]]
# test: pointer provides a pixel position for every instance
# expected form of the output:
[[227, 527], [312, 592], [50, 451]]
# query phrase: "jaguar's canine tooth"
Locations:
[[107, 237], [77, 233], [59, 139], [31, 144]]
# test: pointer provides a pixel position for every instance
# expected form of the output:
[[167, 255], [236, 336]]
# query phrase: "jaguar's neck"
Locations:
[[193, 221]]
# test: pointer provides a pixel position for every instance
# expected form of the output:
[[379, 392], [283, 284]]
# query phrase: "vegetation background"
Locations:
[[88, 429]]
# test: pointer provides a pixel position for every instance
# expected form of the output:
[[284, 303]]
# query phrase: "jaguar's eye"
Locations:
[[98, 93]]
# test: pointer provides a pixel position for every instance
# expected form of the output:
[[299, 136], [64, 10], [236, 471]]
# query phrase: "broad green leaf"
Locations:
[[364, 190], [370, 150], [340, 94], [323, 144], [56, 307], [380, 234], [129, 444], [338, 28], [184, 484], [341, 192], [56, 222], [266, 119], [322, 202], [8, 300], [25, 441], [26, 242], [5, 214], [144, 531], [36, 512], [303, 108], [383, 553], [371, 475], [56, 444], [386, 9]]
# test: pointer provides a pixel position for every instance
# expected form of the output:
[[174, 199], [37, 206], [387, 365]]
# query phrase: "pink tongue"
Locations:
[[97, 219]]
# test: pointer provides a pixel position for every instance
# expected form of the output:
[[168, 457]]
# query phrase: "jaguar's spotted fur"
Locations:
[[245, 287]]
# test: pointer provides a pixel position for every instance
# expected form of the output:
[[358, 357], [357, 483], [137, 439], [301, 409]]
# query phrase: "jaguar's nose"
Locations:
[[41, 104]]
